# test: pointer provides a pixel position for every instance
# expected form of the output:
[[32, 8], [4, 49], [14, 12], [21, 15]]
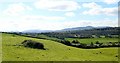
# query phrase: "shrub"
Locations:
[[32, 44], [75, 41], [97, 42], [66, 42]]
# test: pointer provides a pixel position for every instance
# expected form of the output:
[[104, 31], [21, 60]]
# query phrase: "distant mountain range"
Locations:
[[66, 29], [83, 28], [79, 28], [36, 31]]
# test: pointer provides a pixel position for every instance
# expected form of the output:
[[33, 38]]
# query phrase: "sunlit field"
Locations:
[[54, 51]]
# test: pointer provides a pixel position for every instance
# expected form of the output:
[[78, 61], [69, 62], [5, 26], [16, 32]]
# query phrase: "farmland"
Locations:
[[54, 51], [89, 40]]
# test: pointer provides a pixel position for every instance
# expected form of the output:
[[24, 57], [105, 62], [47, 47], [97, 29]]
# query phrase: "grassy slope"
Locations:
[[0, 47], [55, 52], [89, 40]]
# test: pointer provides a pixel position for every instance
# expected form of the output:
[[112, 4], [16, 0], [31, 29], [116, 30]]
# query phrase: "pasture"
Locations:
[[55, 51], [89, 40]]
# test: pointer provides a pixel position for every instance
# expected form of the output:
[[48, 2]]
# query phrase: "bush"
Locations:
[[97, 42], [75, 41], [66, 42], [32, 44]]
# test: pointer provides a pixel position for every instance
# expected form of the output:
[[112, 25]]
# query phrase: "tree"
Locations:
[[97, 42], [75, 41], [66, 42], [91, 44]]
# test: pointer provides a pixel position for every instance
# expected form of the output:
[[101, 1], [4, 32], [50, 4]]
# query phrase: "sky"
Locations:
[[20, 15]]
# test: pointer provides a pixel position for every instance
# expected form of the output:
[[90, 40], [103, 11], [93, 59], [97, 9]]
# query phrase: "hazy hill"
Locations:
[[36, 31], [79, 28], [66, 29]]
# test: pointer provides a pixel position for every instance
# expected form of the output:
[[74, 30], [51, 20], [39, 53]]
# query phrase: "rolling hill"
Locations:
[[55, 51]]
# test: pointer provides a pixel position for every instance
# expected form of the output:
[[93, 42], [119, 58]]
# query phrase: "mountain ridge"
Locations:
[[66, 29]]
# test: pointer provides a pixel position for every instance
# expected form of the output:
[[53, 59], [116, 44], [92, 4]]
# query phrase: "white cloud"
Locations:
[[26, 22], [95, 9], [16, 19], [38, 17], [95, 23], [28, 8], [70, 14], [16, 9], [57, 5], [91, 5], [16, 1], [82, 23], [110, 11], [92, 12], [111, 1]]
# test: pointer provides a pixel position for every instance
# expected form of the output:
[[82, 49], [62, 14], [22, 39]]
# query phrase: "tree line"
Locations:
[[97, 44]]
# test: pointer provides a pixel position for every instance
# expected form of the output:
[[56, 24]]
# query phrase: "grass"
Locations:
[[55, 51], [0, 47], [89, 40]]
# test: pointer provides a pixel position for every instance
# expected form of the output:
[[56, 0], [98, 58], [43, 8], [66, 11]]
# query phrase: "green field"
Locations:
[[55, 51], [89, 40]]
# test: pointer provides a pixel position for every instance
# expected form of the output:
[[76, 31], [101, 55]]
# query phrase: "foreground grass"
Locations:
[[55, 51], [89, 40]]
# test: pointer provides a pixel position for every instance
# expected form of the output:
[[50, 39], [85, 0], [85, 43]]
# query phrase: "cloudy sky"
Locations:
[[19, 15]]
